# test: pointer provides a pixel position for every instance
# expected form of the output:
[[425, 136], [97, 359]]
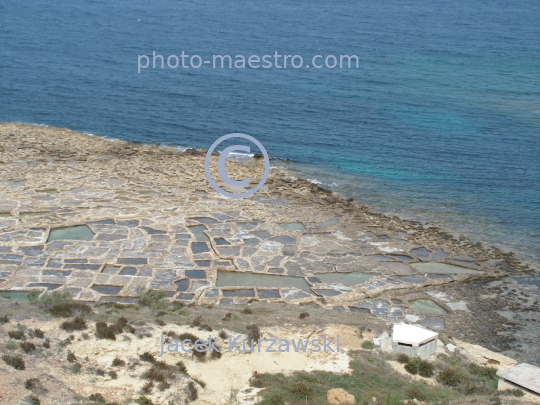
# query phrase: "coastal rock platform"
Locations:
[[106, 219]]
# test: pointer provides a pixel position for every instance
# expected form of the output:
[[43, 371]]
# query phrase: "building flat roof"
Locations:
[[412, 334], [523, 374]]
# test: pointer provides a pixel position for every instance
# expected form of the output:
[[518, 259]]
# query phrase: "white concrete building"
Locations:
[[523, 376], [414, 340]]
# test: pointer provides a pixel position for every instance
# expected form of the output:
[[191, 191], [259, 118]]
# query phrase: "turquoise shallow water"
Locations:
[[440, 122]]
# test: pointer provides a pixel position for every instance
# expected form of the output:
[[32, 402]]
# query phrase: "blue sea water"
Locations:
[[440, 122]]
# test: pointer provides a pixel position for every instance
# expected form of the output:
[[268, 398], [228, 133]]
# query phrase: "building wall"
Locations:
[[508, 385], [423, 352]]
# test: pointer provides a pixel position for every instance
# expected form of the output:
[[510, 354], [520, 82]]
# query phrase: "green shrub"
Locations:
[[412, 366], [14, 361], [76, 368], [227, 317], [33, 400], [200, 382], [182, 367], [34, 385], [368, 345], [77, 323], [71, 357], [514, 392], [223, 335], [451, 377], [144, 401], [28, 347], [164, 385], [103, 331], [118, 362], [69, 309], [100, 372], [188, 336], [11, 346], [47, 344], [199, 355], [50, 299], [97, 398], [254, 333], [416, 393], [17, 334], [199, 322], [301, 390], [4, 319], [193, 392], [38, 333], [485, 373], [403, 358], [303, 315], [247, 311], [148, 357], [153, 299], [113, 375], [147, 388], [425, 369]]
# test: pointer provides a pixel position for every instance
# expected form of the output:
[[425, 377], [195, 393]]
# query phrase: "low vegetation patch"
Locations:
[[4, 319], [144, 401], [193, 392], [77, 323], [148, 357], [60, 304], [153, 299], [28, 347], [71, 357], [118, 362], [104, 331], [33, 400], [368, 345], [370, 376], [97, 398], [254, 333], [17, 335], [37, 333], [303, 315], [34, 385], [14, 361], [199, 322]]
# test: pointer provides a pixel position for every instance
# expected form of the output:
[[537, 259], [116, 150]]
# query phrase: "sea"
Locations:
[[439, 122]]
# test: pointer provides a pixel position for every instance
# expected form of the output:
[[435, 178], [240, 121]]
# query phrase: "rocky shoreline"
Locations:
[[155, 223]]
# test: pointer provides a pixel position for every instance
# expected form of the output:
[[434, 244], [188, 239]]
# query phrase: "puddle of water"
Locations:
[[198, 232], [15, 295], [293, 226], [128, 271], [149, 193], [48, 191], [442, 268], [111, 269], [107, 289], [236, 279], [402, 257], [14, 183], [422, 253], [348, 279], [425, 306], [4, 214], [79, 232], [34, 214]]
